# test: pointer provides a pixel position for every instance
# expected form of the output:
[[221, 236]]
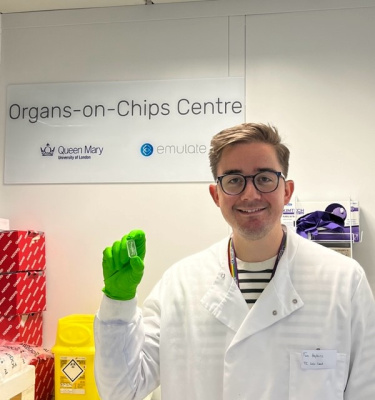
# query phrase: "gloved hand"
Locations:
[[122, 274]]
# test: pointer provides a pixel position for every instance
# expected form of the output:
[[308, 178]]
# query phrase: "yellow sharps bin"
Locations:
[[74, 352]]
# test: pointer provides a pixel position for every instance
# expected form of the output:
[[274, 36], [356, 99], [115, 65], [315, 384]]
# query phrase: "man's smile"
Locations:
[[250, 210]]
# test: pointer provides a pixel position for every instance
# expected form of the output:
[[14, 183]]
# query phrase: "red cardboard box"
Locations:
[[26, 328], [44, 377], [22, 292], [22, 251]]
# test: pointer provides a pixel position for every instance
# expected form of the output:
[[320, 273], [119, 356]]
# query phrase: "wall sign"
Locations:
[[135, 131]]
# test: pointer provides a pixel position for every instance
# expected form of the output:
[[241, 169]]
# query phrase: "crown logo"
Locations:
[[47, 151]]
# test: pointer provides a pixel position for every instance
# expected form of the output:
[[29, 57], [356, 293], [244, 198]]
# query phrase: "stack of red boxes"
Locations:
[[22, 286], [23, 293]]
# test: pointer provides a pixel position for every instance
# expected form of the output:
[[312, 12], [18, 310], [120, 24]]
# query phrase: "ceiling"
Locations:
[[16, 6]]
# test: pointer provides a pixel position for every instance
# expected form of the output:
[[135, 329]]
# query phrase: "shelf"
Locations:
[[334, 224], [20, 385]]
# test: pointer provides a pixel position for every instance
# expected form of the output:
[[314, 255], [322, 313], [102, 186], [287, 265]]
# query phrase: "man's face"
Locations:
[[251, 214]]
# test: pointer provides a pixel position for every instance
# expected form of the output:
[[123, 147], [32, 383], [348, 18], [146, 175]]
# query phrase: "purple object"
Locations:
[[316, 221]]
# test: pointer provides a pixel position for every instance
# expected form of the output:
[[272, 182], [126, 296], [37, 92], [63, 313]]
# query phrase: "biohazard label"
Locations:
[[72, 370], [72, 377]]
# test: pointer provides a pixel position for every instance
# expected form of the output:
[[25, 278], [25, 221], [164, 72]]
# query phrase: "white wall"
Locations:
[[281, 54], [311, 74]]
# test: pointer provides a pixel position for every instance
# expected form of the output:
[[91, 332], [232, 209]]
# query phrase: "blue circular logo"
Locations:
[[147, 149]]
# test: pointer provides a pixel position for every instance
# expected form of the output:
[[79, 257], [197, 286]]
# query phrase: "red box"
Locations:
[[22, 292], [22, 251], [26, 328], [44, 377]]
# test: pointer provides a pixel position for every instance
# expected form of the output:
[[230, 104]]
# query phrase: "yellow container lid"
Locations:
[[75, 332]]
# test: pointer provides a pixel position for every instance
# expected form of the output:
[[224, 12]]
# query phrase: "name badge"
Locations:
[[318, 359]]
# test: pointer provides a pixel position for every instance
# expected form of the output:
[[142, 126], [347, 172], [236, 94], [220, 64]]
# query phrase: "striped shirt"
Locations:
[[253, 278]]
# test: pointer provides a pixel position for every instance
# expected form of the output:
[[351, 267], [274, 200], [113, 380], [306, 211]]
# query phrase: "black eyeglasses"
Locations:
[[264, 182]]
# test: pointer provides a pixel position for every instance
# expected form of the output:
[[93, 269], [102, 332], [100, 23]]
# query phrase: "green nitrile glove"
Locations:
[[122, 274]]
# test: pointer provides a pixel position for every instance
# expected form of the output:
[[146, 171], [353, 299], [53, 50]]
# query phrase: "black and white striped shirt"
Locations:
[[253, 278]]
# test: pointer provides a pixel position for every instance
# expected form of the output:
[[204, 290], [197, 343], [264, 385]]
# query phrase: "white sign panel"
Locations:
[[136, 131]]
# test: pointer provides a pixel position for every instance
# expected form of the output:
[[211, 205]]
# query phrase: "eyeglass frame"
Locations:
[[246, 177]]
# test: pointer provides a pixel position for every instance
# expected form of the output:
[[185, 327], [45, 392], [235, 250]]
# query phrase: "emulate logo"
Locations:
[[47, 151], [147, 149]]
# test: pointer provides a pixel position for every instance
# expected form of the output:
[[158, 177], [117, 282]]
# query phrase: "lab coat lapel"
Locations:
[[278, 300], [225, 301]]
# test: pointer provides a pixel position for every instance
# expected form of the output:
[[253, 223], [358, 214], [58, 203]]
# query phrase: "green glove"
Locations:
[[122, 274]]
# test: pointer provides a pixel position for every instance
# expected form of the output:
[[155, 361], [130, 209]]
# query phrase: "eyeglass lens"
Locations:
[[265, 182]]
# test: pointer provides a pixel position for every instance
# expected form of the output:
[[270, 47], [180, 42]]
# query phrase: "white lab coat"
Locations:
[[198, 339]]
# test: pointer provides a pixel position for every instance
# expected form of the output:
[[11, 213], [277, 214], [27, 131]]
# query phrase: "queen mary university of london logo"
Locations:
[[47, 151]]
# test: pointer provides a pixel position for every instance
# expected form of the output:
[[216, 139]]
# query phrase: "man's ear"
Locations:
[[289, 189], [214, 194]]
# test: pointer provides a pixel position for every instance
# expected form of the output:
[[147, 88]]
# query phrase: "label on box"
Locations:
[[72, 375], [22, 251]]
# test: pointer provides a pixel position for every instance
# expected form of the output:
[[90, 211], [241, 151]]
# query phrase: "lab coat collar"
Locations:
[[223, 299], [279, 299]]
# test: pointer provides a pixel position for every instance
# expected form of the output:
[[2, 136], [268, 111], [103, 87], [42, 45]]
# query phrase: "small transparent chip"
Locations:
[[132, 249]]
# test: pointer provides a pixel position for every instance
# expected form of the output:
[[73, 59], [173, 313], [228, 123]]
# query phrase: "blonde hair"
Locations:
[[248, 133]]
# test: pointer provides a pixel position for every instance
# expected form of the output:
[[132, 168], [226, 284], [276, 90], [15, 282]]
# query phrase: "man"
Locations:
[[303, 328]]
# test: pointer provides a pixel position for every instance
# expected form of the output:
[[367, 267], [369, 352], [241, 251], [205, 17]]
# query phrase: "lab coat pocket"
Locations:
[[317, 384]]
